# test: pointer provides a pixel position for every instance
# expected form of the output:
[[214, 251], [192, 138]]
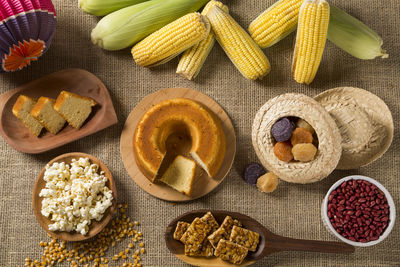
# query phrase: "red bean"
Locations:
[[358, 211]]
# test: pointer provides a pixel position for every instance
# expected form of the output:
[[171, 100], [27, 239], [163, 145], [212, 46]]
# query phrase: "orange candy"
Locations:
[[301, 136], [283, 151]]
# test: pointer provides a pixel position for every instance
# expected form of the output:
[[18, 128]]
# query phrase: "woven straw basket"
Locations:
[[354, 128], [304, 107], [365, 123]]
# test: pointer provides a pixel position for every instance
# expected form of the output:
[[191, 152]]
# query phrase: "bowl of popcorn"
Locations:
[[359, 211], [74, 197]]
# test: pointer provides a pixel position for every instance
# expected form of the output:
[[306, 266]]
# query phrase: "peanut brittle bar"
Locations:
[[244, 237], [210, 220], [180, 229], [230, 251], [206, 250], [194, 236], [224, 231]]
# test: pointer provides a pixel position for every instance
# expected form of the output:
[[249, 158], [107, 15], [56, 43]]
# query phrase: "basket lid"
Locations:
[[364, 121], [301, 106]]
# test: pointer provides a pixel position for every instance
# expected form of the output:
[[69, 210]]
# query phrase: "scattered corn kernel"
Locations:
[[81, 252]]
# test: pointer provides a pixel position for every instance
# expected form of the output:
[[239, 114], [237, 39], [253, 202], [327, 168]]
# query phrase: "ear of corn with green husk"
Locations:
[[127, 26], [353, 36], [345, 31], [102, 7], [245, 54], [171, 40], [310, 40], [193, 59], [275, 23]]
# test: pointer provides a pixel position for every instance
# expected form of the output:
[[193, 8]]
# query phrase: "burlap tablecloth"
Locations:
[[292, 210]]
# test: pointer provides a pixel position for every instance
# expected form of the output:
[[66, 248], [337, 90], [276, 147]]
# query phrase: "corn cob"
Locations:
[[275, 23], [168, 42], [127, 26], [310, 40], [245, 54], [193, 59]]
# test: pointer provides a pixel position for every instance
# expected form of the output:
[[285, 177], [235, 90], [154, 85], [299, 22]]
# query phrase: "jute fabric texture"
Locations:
[[293, 210]]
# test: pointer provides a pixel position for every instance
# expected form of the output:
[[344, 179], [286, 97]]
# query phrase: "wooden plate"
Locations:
[[203, 184], [76, 81], [95, 226]]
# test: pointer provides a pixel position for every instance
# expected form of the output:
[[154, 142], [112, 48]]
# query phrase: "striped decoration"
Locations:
[[26, 30]]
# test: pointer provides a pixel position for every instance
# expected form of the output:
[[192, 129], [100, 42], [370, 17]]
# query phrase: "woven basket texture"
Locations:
[[306, 108]]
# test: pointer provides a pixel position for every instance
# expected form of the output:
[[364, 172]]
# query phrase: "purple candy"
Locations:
[[252, 172], [282, 130]]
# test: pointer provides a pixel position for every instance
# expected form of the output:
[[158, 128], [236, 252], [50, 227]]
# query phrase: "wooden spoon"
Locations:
[[95, 227], [269, 242]]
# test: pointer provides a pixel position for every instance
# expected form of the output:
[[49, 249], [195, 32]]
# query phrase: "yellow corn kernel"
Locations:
[[193, 59], [275, 23], [310, 41], [168, 42], [245, 54]]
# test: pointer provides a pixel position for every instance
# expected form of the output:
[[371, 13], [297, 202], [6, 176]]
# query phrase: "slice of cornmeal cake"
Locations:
[[74, 108], [44, 112], [22, 109]]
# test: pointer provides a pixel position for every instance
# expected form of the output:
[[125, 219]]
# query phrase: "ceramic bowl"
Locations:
[[392, 212]]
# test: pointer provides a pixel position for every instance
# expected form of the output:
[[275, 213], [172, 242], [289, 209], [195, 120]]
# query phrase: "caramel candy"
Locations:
[[180, 229], [245, 238], [304, 152], [301, 136], [267, 183], [283, 151], [229, 251]]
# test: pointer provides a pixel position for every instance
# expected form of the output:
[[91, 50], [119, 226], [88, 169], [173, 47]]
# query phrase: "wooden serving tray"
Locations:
[[76, 81], [203, 184]]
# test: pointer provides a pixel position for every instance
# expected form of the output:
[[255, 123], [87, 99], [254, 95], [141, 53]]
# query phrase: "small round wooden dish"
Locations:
[[95, 227], [203, 184]]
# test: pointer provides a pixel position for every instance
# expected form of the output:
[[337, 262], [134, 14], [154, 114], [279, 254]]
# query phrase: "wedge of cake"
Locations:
[[180, 175], [75, 109], [22, 109], [44, 112]]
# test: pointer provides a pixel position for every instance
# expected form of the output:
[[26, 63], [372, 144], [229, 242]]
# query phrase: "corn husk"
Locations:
[[104, 7], [353, 36]]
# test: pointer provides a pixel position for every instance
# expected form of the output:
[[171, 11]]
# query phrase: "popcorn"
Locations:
[[74, 195]]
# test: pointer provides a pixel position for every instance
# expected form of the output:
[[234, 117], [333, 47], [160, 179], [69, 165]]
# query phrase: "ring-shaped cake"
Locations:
[[183, 116]]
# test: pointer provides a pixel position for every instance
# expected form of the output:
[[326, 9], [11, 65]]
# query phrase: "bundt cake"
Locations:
[[179, 115]]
